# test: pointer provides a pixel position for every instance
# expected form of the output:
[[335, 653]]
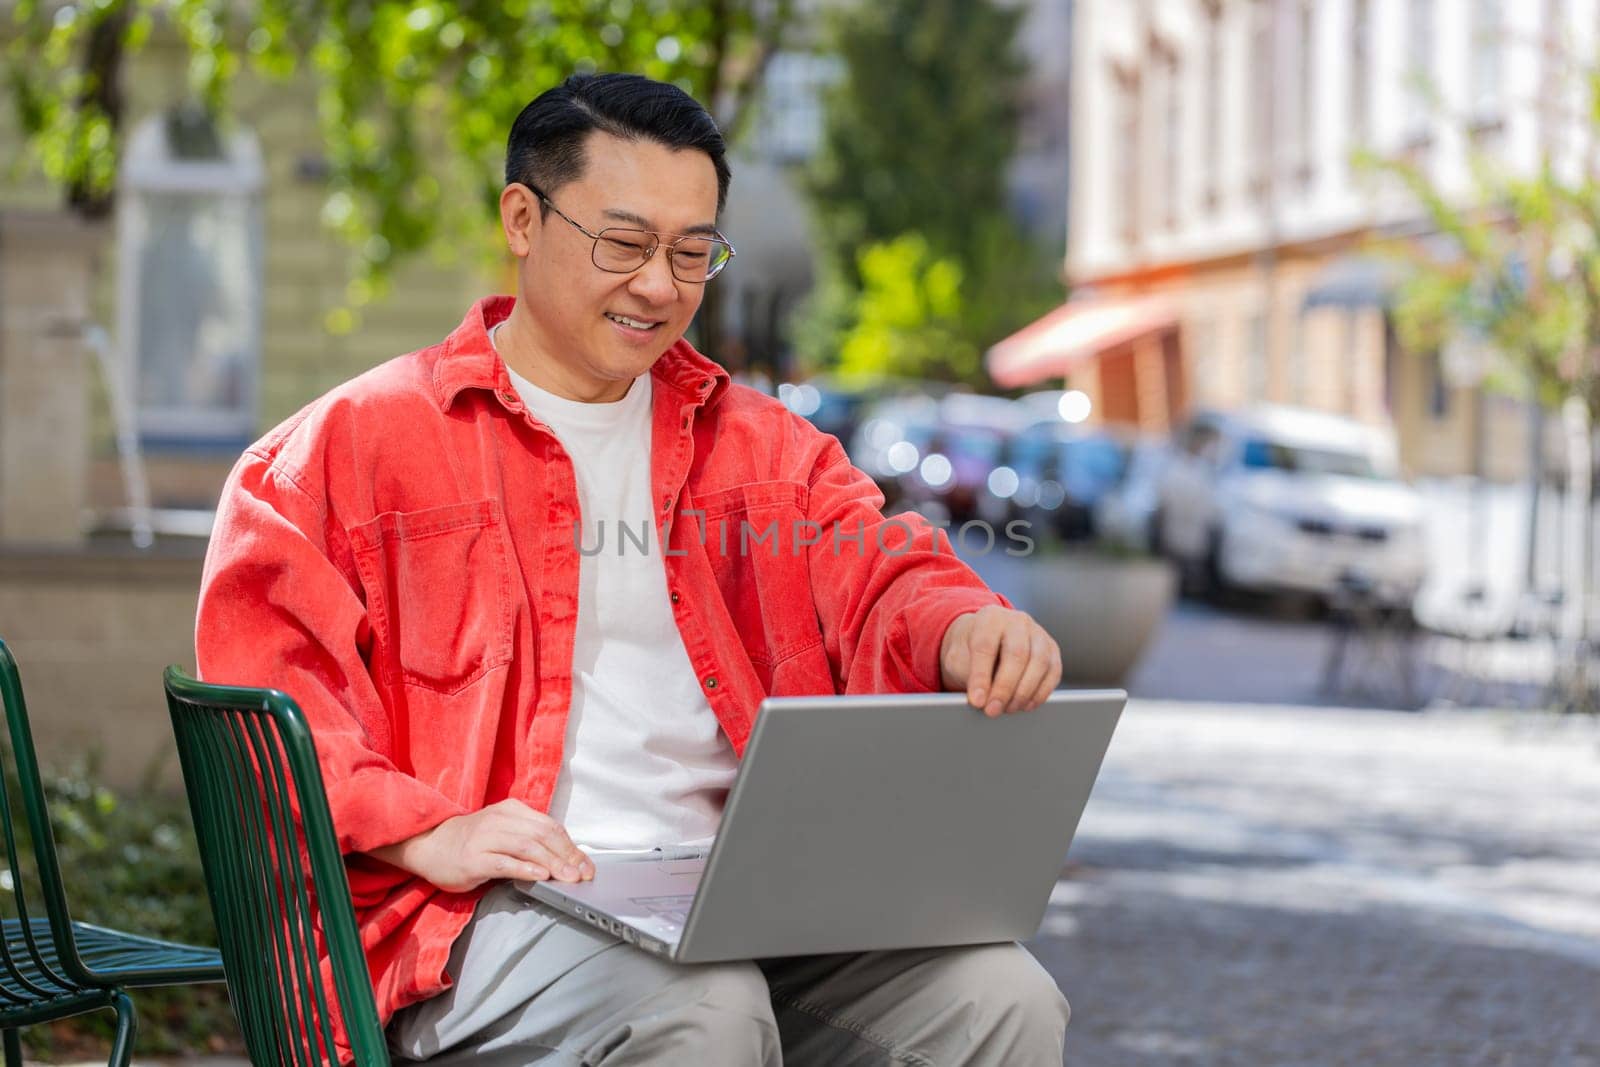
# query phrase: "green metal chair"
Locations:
[[273, 868], [50, 966]]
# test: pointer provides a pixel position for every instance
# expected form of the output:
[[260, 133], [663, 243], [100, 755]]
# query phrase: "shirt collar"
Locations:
[[469, 361]]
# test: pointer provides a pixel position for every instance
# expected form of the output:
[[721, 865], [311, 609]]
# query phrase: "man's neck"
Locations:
[[515, 338]]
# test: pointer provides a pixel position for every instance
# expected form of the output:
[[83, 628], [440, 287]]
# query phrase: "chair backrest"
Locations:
[[272, 868], [38, 955]]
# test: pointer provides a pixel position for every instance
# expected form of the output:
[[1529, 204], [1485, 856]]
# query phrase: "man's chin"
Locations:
[[640, 358]]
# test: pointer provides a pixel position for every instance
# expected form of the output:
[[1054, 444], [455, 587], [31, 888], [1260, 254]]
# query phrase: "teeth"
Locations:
[[635, 323]]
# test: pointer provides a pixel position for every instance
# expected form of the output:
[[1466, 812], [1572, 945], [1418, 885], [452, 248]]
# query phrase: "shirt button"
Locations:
[[675, 597], [666, 503], [711, 681]]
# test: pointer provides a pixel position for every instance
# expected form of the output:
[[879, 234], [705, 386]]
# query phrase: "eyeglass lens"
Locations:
[[693, 259]]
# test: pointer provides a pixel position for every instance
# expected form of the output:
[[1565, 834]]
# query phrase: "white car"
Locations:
[[1291, 500]]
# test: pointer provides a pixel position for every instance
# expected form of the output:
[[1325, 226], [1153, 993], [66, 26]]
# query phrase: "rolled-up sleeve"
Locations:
[[280, 606], [884, 599]]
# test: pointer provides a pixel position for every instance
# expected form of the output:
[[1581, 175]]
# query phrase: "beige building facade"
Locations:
[[1214, 181]]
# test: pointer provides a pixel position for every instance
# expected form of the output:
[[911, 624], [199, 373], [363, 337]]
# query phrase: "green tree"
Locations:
[[1518, 273], [918, 137], [919, 133], [907, 316], [415, 96], [1512, 269]]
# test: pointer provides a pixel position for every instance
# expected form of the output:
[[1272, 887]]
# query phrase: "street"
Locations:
[[1288, 885]]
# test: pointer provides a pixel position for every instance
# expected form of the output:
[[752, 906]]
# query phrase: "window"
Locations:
[[1438, 387], [1419, 69], [1261, 454], [1202, 439], [1300, 358], [1256, 360], [189, 289], [1485, 65], [1552, 53], [1261, 91], [1166, 63], [1126, 176], [1360, 73], [1305, 94], [789, 128], [1212, 117]]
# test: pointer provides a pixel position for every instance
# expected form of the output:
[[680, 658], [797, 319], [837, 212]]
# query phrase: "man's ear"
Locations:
[[519, 217]]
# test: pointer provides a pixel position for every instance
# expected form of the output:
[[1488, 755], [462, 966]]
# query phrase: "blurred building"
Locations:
[[767, 216], [1219, 225], [1040, 170]]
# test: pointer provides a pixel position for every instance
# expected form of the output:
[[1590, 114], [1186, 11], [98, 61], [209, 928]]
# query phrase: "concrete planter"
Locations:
[[1103, 610]]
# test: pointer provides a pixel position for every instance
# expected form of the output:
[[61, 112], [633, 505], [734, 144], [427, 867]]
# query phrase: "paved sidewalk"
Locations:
[[1313, 886]]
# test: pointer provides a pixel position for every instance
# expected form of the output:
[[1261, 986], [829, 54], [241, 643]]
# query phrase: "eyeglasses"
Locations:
[[620, 250]]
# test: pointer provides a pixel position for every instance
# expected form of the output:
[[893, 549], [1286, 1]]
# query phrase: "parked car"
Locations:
[[1294, 500], [1051, 475], [935, 455], [1125, 514], [836, 408], [891, 440]]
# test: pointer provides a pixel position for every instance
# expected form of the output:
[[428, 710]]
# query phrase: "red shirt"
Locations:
[[400, 557]]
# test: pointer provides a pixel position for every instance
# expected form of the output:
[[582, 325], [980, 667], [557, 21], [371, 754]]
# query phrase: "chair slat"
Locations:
[[51, 967], [292, 907], [220, 777], [273, 868]]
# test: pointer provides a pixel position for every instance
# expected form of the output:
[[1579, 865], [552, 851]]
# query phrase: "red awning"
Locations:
[[1074, 332]]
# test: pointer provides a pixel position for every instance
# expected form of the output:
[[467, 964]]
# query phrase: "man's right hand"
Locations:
[[504, 840]]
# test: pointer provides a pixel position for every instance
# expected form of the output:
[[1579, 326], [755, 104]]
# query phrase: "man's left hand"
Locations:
[[1002, 658]]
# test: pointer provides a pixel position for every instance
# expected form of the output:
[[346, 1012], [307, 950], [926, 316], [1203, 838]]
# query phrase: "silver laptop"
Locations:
[[867, 822]]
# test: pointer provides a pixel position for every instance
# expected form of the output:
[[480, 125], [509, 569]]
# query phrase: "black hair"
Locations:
[[545, 149]]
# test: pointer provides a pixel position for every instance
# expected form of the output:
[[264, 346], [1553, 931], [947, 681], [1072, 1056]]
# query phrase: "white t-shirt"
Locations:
[[646, 763]]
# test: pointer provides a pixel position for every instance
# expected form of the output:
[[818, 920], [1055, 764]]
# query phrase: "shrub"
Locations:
[[130, 862]]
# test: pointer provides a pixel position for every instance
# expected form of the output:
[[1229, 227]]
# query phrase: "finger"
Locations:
[[536, 850], [1056, 669], [983, 647], [558, 841], [1026, 697], [1013, 660], [520, 819], [1052, 677], [500, 865]]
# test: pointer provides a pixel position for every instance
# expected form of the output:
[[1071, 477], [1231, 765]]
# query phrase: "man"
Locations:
[[421, 559]]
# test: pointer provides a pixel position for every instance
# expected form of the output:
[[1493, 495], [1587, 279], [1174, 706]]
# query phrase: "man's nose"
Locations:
[[654, 281]]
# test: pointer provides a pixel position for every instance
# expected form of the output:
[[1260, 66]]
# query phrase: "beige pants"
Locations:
[[532, 987]]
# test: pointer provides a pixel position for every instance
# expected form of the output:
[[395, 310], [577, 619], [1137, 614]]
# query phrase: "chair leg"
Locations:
[[127, 1030], [13, 1043]]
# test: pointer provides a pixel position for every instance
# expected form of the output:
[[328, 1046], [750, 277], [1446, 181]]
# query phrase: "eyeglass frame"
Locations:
[[594, 250]]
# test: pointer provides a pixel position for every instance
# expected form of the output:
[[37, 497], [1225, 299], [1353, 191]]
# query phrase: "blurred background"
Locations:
[[1277, 322]]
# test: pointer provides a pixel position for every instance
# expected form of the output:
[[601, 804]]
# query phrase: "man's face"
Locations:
[[595, 331]]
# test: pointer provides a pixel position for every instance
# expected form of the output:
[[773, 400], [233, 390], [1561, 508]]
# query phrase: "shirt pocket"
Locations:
[[438, 585], [752, 533]]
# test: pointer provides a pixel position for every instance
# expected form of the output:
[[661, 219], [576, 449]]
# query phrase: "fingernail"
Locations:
[[993, 709], [569, 874], [978, 696]]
